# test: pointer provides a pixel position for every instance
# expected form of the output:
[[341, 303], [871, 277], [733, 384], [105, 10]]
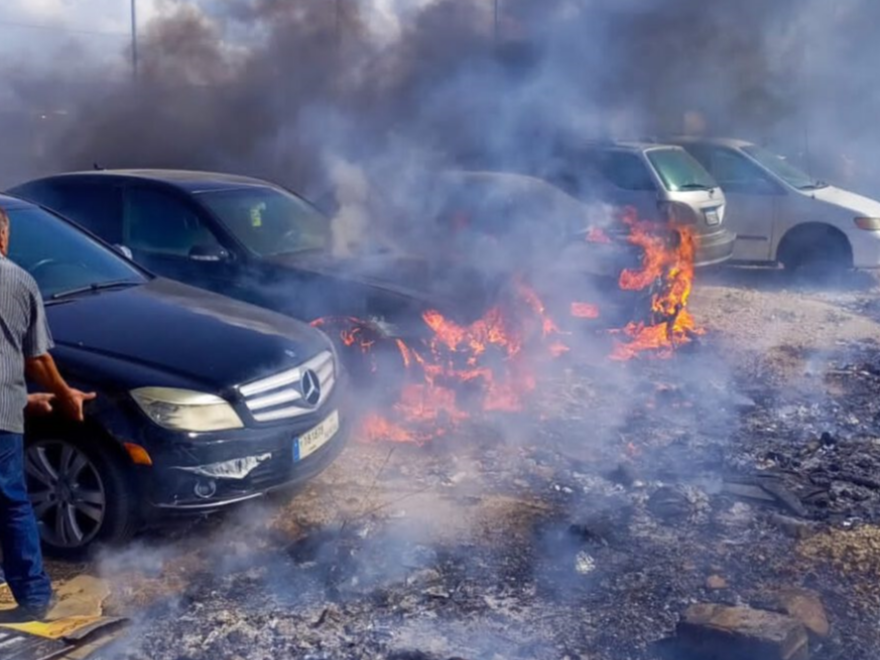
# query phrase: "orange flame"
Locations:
[[582, 310], [668, 261], [597, 235], [376, 428], [485, 359], [353, 331], [484, 365]]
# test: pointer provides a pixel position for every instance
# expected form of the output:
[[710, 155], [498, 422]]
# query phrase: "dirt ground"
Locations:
[[557, 536]]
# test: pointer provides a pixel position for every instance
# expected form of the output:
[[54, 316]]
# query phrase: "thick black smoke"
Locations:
[[272, 88]]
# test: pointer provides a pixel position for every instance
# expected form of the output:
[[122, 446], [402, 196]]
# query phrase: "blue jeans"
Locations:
[[19, 535]]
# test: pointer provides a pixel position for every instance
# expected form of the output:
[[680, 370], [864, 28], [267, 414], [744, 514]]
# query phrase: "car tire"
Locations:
[[815, 252], [91, 500]]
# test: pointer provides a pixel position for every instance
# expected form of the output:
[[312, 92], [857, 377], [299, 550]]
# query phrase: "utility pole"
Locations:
[[134, 43]]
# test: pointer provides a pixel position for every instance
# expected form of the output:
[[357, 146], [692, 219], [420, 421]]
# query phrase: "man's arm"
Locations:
[[40, 366], [42, 369]]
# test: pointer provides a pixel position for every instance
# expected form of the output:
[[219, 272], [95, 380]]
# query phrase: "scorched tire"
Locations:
[[82, 494]]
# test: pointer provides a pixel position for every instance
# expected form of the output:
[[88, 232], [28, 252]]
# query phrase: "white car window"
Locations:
[[736, 173]]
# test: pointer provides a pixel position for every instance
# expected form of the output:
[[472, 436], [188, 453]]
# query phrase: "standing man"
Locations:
[[25, 341]]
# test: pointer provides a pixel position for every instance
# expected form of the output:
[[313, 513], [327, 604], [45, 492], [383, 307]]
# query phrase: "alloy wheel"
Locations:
[[67, 493]]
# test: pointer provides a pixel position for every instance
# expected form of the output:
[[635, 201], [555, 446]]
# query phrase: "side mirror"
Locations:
[[208, 253], [124, 251]]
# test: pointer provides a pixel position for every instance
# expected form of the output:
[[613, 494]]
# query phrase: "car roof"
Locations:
[[192, 181], [524, 182], [631, 146], [7, 202], [711, 141], [497, 176]]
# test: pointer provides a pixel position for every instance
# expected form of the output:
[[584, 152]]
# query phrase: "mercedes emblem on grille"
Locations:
[[311, 387]]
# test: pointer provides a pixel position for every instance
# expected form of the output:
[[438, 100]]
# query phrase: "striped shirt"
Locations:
[[24, 333]]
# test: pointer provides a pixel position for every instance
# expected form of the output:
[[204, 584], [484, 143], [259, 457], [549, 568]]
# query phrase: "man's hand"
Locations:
[[71, 403], [43, 370], [39, 404]]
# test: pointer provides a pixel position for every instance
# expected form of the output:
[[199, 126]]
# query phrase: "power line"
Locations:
[[52, 28]]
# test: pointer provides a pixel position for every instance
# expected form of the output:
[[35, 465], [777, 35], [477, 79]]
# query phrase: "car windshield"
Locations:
[[269, 221], [61, 258], [680, 171], [781, 168]]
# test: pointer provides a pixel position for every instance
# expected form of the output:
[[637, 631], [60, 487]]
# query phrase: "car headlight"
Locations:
[[869, 224], [186, 410]]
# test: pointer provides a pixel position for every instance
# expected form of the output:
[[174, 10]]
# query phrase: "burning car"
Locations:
[[783, 215], [245, 238], [261, 243], [561, 244], [661, 182], [203, 401]]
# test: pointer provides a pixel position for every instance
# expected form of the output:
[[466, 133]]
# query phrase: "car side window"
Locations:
[[737, 174], [159, 222], [625, 171], [704, 157], [95, 206]]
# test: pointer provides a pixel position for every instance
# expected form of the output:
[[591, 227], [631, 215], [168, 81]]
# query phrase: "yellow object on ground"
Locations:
[[79, 612]]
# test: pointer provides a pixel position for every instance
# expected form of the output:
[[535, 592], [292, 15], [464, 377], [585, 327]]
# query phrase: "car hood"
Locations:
[[163, 327], [857, 204], [397, 286], [401, 274]]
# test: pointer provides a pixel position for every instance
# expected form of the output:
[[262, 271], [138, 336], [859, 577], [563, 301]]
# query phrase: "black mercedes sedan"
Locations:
[[203, 401]]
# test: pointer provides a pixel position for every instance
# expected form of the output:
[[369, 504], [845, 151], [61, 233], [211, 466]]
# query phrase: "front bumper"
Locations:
[[865, 249], [214, 471], [714, 248]]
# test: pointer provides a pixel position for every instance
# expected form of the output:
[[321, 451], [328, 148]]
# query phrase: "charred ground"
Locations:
[[582, 528]]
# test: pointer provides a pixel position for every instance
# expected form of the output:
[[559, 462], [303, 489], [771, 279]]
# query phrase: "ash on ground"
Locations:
[[583, 527]]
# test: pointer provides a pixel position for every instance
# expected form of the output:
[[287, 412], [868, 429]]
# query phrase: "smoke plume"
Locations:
[[273, 88]]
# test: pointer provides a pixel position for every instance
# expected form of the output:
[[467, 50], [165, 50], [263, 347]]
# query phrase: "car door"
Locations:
[[171, 236], [753, 200]]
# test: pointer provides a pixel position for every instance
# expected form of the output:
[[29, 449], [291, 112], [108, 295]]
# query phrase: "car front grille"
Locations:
[[291, 393]]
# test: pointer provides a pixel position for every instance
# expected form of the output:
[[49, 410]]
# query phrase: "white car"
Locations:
[[782, 215]]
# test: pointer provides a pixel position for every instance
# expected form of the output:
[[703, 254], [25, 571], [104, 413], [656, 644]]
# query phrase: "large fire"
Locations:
[[463, 369], [491, 364]]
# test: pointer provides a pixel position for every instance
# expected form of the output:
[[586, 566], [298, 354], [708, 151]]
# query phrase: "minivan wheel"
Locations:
[[816, 251], [80, 495]]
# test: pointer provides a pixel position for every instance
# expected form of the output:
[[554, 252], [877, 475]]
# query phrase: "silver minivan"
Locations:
[[660, 181], [781, 214]]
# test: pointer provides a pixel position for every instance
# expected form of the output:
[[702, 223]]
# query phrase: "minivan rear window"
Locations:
[[680, 171]]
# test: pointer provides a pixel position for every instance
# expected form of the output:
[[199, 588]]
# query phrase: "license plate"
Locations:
[[311, 441], [712, 217]]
